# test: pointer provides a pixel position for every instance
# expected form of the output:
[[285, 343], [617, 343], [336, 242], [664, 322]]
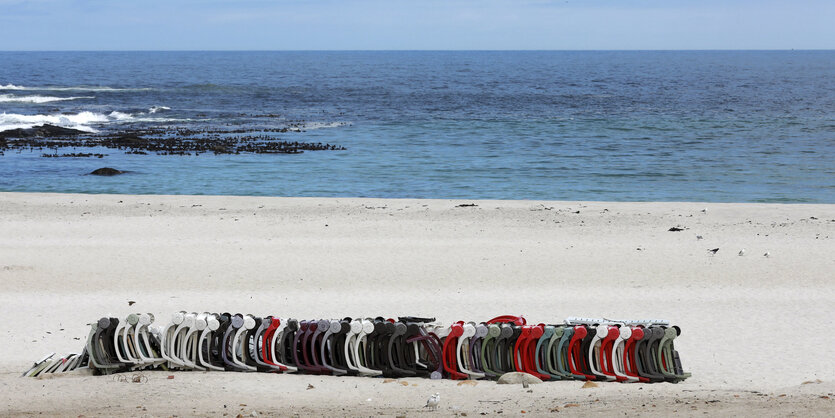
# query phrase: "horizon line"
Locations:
[[429, 50]]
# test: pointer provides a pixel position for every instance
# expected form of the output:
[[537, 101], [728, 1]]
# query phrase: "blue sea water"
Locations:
[[718, 126]]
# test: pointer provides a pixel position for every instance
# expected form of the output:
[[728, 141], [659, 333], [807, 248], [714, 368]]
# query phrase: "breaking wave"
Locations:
[[69, 88], [80, 121], [155, 109], [120, 116], [83, 121], [6, 98]]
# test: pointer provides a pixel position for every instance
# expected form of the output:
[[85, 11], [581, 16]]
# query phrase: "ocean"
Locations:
[[714, 126]]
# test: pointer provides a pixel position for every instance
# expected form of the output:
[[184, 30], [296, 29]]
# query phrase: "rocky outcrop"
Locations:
[[160, 141], [43, 131], [106, 171]]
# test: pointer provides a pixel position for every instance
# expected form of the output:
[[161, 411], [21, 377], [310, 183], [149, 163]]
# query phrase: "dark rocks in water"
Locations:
[[106, 171], [43, 131], [160, 141], [128, 141], [219, 149], [74, 155]]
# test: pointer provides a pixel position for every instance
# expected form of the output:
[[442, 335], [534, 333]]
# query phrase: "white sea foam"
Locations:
[[119, 116], [80, 121], [84, 121], [309, 126], [155, 109], [69, 88], [6, 98]]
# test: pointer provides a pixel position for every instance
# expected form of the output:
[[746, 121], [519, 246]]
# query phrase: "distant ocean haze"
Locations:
[[712, 126]]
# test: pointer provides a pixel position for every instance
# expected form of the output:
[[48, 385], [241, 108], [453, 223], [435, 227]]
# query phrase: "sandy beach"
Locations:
[[755, 328]]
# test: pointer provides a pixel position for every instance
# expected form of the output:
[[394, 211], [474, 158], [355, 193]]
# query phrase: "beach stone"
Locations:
[[515, 378], [106, 171]]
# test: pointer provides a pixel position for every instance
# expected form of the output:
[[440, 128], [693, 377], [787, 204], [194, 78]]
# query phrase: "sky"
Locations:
[[415, 24]]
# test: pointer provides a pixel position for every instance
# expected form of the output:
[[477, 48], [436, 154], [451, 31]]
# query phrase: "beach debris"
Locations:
[[135, 378], [467, 205], [704, 210], [713, 251], [433, 401], [571, 405], [525, 385], [309, 386], [589, 385], [741, 252], [469, 382], [170, 376], [812, 382], [699, 237], [389, 380], [675, 229], [131, 302], [106, 171], [767, 254], [515, 378]]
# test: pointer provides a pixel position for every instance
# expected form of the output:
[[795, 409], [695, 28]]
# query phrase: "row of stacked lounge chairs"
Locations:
[[576, 349]]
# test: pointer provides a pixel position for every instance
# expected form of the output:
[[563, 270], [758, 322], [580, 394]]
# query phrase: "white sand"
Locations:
[[753, 327]]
